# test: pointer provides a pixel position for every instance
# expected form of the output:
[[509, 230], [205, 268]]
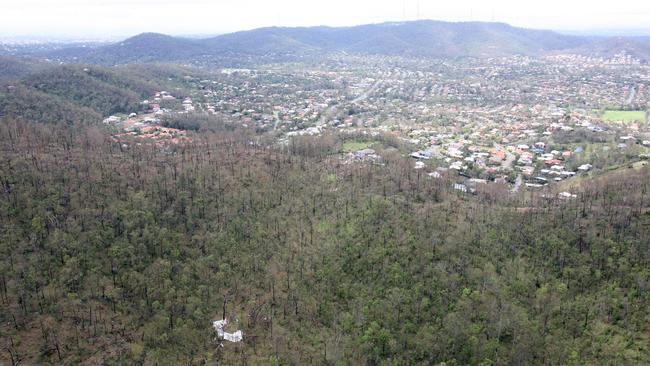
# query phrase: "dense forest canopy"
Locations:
[[77, 94], [114, 255], [14, 68]]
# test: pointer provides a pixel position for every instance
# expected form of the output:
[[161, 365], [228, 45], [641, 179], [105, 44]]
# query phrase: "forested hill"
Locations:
[[638, 47], [112, 256], [82, 94], [420, 38], [28, 104], [146, 47], [14, 68], [426, 38]]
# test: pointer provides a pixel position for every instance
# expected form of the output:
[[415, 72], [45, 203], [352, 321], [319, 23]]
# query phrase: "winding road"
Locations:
[[327, 113]]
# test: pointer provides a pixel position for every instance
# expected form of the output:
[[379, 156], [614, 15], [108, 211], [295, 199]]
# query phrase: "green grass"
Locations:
[[353, 146], [625, 116]]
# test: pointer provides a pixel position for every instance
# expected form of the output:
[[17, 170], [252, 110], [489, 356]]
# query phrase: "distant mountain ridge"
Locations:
[[420, 38], [426, 38]]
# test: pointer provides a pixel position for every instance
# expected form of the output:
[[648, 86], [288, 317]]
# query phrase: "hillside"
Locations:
[[425, 38], [114, 256], [29, 104], [102, 91], [74, 93], [421, 38], [638, 47], [14, 68], [147, 47]]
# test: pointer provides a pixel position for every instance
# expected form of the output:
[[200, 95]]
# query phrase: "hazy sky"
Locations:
[[102, 18]]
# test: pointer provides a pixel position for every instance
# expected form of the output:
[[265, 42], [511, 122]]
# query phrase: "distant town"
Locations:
[[521, 121]]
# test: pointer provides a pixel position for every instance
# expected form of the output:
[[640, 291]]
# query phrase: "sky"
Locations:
[[117, 18]]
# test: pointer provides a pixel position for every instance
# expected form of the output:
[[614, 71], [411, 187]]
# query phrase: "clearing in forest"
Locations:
[[352, 146]]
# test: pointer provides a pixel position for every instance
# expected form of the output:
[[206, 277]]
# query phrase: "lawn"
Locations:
[[625, 116], [352, 146], [640, 164]]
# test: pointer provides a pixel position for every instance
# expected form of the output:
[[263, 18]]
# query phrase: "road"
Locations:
[[518, 183], [510, 158], [277, 120], [328, 112], [630, 99], [367, 93]]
